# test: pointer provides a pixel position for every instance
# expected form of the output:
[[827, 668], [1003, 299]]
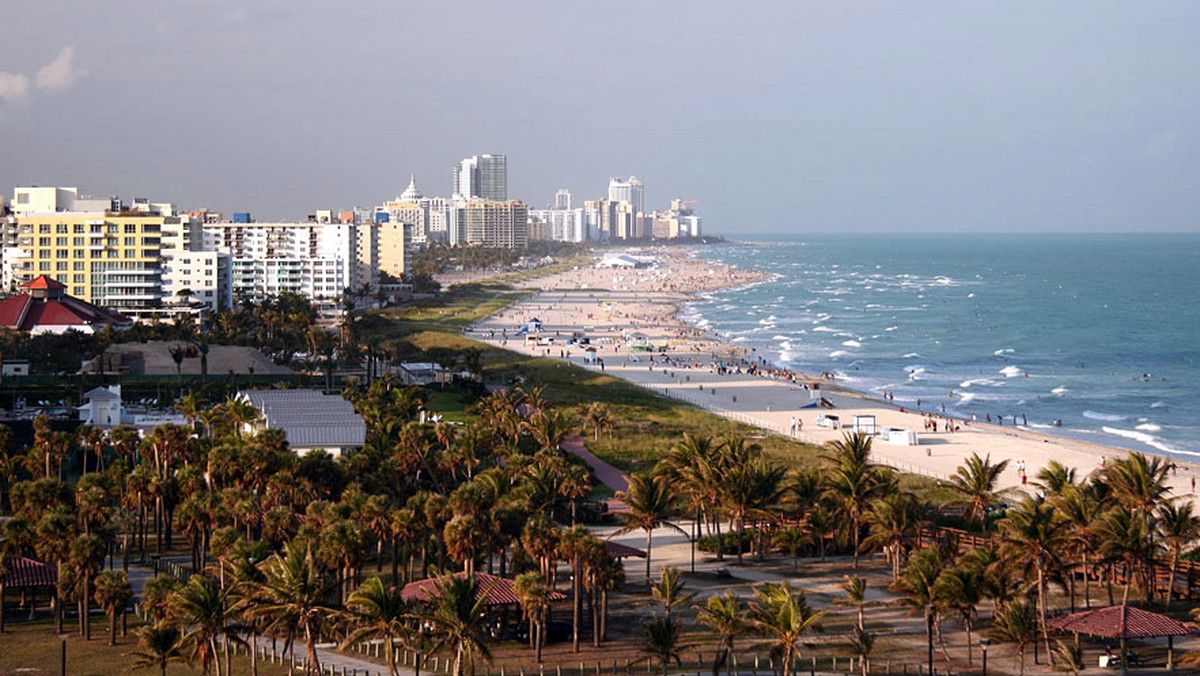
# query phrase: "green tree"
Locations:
[[853, 483], [669, 590], [1178, 526], [534, 594], [1034, 538], [206, 612], [376, 611], [651, 505], [784, 617], [660, 642], [726, 616], [159, 646], [1017, 622], [975, 480], [455, 615], [113, 593], [292, 597]]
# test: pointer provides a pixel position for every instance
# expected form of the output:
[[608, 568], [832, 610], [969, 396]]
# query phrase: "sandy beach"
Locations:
[[628, 315]]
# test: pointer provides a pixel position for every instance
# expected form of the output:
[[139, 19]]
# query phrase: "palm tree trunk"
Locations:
[[741, 530], [576, 601], [857, 534], [1042, 602], [1171, 582], [649, 544], [112, 626]]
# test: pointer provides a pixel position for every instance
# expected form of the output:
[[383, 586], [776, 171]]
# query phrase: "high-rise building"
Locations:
[[495, 225], [482, 176], [632, 191], [562, 199]]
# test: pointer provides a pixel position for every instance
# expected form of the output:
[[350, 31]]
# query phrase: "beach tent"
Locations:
[[864, 424], [1122, 623]]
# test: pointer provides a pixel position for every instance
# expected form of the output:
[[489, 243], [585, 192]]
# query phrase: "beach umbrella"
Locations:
[[1122, 623]]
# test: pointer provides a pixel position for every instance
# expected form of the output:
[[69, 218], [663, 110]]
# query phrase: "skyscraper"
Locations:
[[562, 199], [632, 191], [483, 176]]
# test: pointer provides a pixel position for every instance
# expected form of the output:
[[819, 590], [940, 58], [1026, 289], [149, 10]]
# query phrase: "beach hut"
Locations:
[[498, 594], [900, 436], [533, 325], [27, 576], [589, 355], [1122, 623], [864, 424]]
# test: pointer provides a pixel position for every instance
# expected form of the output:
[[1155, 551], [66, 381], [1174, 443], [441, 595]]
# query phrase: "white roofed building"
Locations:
[[311, 420]]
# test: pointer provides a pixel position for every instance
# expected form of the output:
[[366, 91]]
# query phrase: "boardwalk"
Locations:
[[607, 474]]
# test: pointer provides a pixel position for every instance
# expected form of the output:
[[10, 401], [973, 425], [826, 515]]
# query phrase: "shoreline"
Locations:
[[630, 314]]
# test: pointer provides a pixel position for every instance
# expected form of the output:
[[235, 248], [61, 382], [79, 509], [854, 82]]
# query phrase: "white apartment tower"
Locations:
[[482, 176], [632, 191]]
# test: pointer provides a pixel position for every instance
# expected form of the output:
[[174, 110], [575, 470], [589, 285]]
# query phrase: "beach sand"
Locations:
[[622, 310]]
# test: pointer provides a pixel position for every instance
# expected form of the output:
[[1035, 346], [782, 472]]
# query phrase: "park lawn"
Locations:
[[33, 648]]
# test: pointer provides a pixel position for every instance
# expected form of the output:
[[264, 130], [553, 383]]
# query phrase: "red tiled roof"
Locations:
[[1119, 622], [24, 313], [26, 572], [620, 551], [500, 591], [44, 282]]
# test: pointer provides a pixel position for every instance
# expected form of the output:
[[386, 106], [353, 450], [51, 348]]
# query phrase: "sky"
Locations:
[[782, 117]]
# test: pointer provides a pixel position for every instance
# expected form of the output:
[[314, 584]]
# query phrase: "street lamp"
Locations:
[[984, 643], [63, 638]]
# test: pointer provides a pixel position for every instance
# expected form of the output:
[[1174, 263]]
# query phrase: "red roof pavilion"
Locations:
[[45, 307]]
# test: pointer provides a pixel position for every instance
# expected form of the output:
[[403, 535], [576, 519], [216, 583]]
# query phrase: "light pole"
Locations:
[[984, 643], [63, 638]]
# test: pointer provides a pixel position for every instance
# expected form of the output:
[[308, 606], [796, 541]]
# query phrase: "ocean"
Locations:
[[1100, 333]]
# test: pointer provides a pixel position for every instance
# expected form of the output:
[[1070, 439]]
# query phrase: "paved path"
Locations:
[[607, 474]]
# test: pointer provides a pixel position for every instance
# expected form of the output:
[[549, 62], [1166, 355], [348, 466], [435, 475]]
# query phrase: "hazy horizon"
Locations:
[[784, 117]]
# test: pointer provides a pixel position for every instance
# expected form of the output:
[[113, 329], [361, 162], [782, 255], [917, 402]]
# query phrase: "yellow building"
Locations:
[[109, 259]]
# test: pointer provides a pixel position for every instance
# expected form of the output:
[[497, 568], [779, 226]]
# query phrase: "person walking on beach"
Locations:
[[793, 425]]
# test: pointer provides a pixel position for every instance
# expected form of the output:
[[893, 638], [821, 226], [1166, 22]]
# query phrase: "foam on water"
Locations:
[[1011, 371], [1106, 417]]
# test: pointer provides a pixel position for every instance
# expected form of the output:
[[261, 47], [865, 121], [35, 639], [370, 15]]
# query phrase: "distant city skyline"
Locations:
[[792, 117]]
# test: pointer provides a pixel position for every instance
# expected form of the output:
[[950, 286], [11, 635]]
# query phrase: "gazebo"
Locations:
[[501, 595], [27, 575], [619, 551], [1122, 623]]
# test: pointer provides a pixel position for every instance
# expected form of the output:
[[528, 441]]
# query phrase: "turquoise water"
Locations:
[[1100, 332]]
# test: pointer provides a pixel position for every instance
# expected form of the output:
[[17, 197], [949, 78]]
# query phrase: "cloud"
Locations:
[[60, 73], [14, 87], [1159, 146]]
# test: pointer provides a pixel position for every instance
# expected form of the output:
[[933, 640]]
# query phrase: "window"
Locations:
[[78, 228], [78, 241], [61, 265], [78, 253], [80, 265], [44, 228], [78, 279], [61, 228], [113, 253], [60, 241], [131, 241], [60, 253], [44, 266], [43, 241], [130, 229], [22, 198], [77, 291]]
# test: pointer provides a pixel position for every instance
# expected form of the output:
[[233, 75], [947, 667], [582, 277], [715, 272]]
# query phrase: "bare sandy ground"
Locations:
[[620, 310], [222, 359]]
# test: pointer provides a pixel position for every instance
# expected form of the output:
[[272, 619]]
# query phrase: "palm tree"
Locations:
[[1178, 525], [113, 593], [86, 557], [918, 579], [156, 595], [159, 646], [975, 480], [669, 590], [960, 589], [895, 520], [292, 596], [862, 643], [1034, 537], [455, 615], [725, 615], [792, 539], [1081, 507], [240, 414], [1123, 537], [651, 504], [534, 594], [1139, 483], [748, 488], [784, 617], [598, 418], [660, 641], [206, 611], [856, 594], [1055, 478], [853, 483], [377, 612], [1017, 622], [575, 545]]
